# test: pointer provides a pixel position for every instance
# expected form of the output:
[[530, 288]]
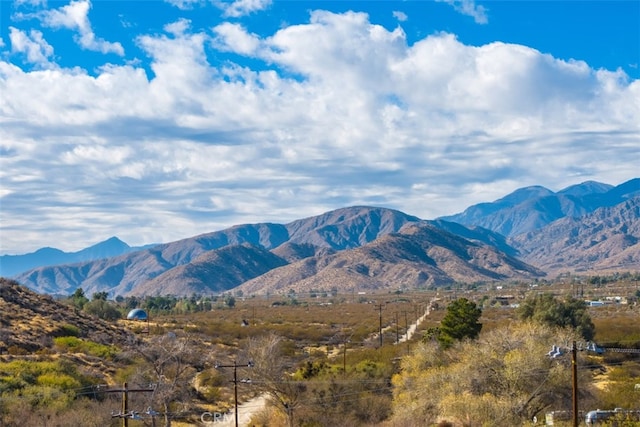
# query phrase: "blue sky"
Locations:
[[155, 121]]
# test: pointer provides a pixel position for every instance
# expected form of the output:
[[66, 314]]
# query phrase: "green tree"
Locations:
[[102, 309], [78, 298], [99, 296], [460, 322], [547, 309], [230, 301]]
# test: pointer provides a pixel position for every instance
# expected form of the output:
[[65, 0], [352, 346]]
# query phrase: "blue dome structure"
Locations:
[[137, 314]]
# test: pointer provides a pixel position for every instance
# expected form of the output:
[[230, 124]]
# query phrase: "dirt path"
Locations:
[[413, 328], [245, 411], [407, 335]]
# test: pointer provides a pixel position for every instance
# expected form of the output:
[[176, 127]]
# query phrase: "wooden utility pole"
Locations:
[[379, 307], [125, 390], [235, 367], [125, 406], [574, 376], [344, 359], [397, 329]]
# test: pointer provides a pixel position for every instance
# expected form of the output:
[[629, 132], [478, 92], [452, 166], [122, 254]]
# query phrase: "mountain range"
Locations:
[[531, 232], [10, 265]]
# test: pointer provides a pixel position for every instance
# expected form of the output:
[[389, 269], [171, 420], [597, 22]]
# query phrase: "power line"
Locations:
[[235, 367], [125, 390]]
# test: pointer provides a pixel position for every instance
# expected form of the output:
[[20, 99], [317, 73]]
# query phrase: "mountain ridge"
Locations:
[[530, 208], [318, 245], [11, 265]]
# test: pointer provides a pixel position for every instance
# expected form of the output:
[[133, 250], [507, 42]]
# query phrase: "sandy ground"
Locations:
[[245, 412], [412, 328]]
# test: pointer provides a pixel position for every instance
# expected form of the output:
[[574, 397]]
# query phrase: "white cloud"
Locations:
[[239, 8], [342, 112], [184, 4], [400, 16], [74, 16], [33, 45], [233, 37], [30, 2], [469, 8]]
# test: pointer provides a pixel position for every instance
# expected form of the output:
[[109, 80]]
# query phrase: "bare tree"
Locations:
[[169, 363], [270, 374]]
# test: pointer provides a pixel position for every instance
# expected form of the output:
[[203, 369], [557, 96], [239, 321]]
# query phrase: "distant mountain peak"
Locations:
[[12, 265], [531, 208], [110, 243], [586, 188]]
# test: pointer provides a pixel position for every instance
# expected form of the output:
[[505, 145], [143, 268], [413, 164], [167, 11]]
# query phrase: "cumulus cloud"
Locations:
[[234, 38], [33, 46], [339, 112], [74, 16]]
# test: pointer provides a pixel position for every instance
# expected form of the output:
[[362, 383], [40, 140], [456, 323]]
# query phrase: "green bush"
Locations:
[[43, 384], [67, 331], [57, 380], [77, 345]]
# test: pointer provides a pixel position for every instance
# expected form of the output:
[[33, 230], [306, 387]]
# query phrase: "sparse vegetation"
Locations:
[[330, 368]]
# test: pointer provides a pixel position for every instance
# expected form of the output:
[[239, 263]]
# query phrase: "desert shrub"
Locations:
[[208, 384], [77, 345], [80, 412], [66, 330], [57, 380], [211, 378], [16, 350], [41, 384], [487, 379], [370, 369]]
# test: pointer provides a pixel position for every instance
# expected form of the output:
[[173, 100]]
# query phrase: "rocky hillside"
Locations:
[[607, 239], [213, 272], [29, 320]]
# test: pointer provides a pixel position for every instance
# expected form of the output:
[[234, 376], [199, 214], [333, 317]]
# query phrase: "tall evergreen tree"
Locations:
[[460, 322]]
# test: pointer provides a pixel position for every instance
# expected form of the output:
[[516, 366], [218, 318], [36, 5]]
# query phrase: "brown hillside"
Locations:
[[420, 256], [213, 272], [29, 321]]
